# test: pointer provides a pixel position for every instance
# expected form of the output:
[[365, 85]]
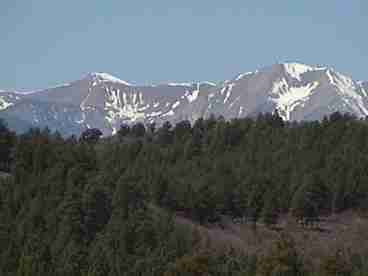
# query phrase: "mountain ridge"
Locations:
[[298, 91]]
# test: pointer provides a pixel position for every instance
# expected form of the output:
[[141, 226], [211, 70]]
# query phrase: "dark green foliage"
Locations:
[[7, 140], [123, 131], [270, 211], [182, 130], [164, 134], [107, 206], [309, 200], [138, 130], [91, 135]]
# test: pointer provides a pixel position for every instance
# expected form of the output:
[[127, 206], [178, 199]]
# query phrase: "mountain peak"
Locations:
[[295, 69], [105, 77], [184, 84], [298, 91]]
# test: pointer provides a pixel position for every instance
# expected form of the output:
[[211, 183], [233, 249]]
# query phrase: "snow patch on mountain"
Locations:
[[362, 88], [223, 90], [82, 120], [123, 106], [192, 95], [287, 98], [175, 105], [170, 113], [210, 96], [241, 76], [330, 77], [348, 90], [241, 110], [4, 104], [154, 114], [181, 84], [296, 70], [105, 77], [228, 92], [83, 103], [286, 87], [208, 83]]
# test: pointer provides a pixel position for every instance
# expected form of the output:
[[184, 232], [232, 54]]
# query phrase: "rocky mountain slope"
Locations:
[[298, 91]]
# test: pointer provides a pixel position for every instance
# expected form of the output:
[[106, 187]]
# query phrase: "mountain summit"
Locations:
[[297, 91]]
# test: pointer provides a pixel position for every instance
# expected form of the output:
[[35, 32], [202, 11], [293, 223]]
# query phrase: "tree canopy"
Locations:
[[104, 206]]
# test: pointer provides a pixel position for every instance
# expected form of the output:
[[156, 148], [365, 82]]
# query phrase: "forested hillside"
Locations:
[[109, 206]]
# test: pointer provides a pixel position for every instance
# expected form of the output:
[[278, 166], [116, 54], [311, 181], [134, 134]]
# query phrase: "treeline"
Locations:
[[91, 205]]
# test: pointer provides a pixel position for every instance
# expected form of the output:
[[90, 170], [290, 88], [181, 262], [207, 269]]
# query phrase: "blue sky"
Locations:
[[47, 42]]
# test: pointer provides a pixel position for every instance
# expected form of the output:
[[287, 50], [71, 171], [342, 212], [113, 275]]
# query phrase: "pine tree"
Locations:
[[269, 212]]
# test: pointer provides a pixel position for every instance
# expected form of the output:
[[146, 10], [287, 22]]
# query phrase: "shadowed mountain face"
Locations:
[[297, 91]]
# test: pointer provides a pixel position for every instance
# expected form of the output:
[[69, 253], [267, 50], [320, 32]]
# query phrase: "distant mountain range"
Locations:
[[99, 100]]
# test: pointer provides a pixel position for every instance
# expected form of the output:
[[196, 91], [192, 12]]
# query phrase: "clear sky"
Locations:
[[47, 42]]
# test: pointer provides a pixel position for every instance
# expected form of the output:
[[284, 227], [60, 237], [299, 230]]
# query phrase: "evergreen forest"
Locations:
[[160, 200]]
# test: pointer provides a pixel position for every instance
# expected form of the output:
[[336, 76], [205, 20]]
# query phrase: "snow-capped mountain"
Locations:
[[298, 91]]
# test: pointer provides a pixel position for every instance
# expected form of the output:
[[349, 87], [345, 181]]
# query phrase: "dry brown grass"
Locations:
[[346, 231]]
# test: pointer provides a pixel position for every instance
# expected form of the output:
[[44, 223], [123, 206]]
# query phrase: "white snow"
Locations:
[[134, 98], [234, 102], [330, 78], [114, 98], [105, 77], [211, 96], [170, 113], [175, 105], [4, 104], [193, 95], [228, 93], [241, 76], [125, 100], [344, 80], [223, 90], [208, 83], [141, 98], [143, 108], [363, 89], [154, 114], [287, 98], [348, 90], [185, 84], [81, 121], [122, 105], [83, 103], [295, 70]]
